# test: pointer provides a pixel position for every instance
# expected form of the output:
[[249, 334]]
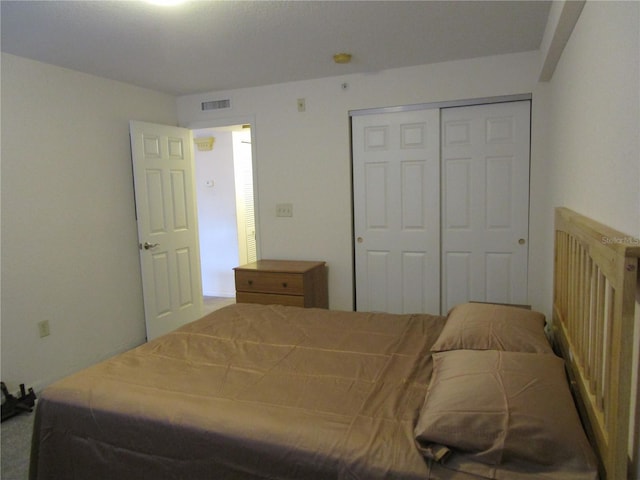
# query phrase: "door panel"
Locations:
[[457, 193], [163, 171], [376, 192], [185, 273], [396, 203], [498, 276], [413, 178], [485, 211], [499, 192], [457, 282], [156, 210], [161, 283], [415, 280], [179, 202], [377, 274]]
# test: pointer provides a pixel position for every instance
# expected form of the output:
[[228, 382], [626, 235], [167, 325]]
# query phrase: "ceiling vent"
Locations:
[[216, 104]]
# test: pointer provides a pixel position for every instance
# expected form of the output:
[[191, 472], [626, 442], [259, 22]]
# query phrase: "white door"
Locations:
[[396, 211], [485, 203], [163, 172]]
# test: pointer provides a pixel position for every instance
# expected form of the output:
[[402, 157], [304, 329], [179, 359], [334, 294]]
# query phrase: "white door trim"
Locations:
[[446, 104]]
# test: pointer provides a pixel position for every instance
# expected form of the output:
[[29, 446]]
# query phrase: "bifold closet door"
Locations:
[[485, 203], [396, 184]]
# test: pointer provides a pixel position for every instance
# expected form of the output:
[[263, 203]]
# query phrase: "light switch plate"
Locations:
[[284, 210]]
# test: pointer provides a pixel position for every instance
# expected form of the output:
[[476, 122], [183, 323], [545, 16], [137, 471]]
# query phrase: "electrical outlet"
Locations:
[[284, 210], [43, 328]]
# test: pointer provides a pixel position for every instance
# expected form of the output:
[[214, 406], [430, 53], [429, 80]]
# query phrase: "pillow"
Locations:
[[503, 408], [481, 326]]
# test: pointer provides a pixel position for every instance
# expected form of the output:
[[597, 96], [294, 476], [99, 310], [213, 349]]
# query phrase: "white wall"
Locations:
[[69, 241], [594, 145], [304, 158], [595, 117], [217, 215]]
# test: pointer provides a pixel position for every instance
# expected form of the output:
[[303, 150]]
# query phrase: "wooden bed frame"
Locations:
[[596, 277]]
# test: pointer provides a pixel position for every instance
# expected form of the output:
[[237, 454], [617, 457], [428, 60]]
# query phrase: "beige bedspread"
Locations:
[[247, 392]]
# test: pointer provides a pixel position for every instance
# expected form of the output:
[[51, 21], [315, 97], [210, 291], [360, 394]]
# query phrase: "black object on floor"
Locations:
[[14, 405]]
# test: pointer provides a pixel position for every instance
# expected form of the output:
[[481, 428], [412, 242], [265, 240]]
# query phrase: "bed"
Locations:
[[254, 392]]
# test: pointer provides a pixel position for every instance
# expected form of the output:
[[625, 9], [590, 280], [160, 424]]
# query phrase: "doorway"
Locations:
[[225, 200]]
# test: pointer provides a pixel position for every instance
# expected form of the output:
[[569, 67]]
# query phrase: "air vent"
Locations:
[[216, 104]]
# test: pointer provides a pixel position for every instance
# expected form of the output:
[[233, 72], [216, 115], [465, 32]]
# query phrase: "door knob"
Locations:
[[522, 241], [149, 246], [359, 240]]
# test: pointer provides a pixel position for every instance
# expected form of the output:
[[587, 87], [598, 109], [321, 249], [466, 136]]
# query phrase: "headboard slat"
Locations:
[[594, 300]]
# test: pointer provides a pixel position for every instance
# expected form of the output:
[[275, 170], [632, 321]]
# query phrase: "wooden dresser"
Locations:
[[284, 282]]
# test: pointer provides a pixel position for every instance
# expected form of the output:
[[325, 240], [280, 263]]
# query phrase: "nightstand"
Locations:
[[284, 282]]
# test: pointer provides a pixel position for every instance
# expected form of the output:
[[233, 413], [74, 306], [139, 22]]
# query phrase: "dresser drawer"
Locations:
[[270, 299], [269, 282]]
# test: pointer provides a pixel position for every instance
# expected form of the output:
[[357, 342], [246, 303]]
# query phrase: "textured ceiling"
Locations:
[[205, 46]]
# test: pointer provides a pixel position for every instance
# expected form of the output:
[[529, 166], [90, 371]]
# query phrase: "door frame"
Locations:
[[445, 104], [226, 122], [405, 108]]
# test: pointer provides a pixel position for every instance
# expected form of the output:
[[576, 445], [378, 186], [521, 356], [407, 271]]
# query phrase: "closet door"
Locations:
[[485, 203], [396, 185]]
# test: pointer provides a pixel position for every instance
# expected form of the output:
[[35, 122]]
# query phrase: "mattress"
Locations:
[[248, 392]]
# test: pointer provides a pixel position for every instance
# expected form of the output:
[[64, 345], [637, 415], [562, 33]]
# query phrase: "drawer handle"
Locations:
[[250, 282], [284, 284]]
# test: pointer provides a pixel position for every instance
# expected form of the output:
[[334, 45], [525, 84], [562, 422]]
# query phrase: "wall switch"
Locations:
[[43, 328], [301, 105], [284, 210]]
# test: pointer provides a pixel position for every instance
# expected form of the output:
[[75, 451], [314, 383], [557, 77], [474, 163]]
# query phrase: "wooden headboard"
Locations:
[[595, 278]]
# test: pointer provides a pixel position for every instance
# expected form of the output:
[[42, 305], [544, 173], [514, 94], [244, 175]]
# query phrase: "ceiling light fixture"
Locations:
[[204, 144], [342, 58], [165, 3]]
